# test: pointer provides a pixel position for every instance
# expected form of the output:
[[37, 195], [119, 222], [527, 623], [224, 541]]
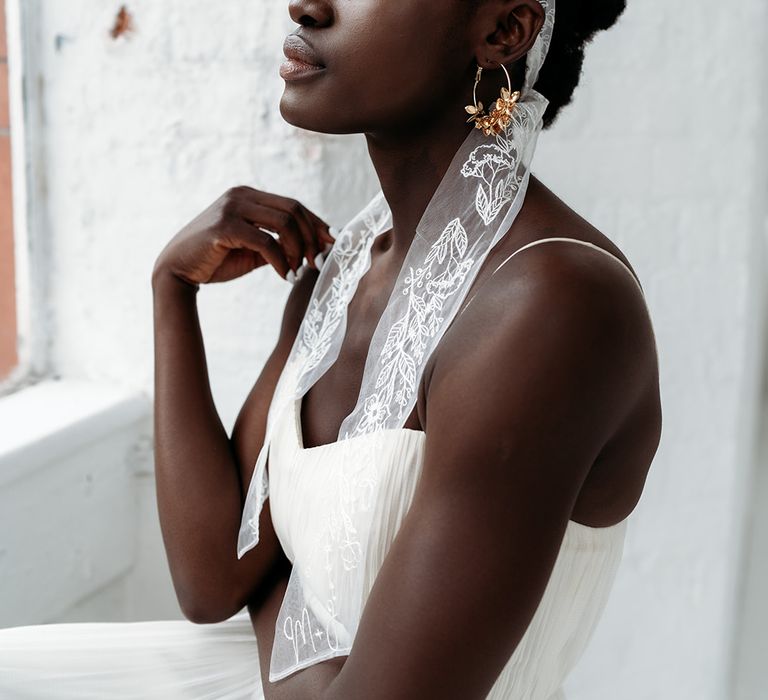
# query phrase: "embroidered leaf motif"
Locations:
[[395, 336], [483, 205], [419, 305], [319, 621], [385, 376], [500, 191], [407, 369], [442, 249], [495, 165], [401, 356]]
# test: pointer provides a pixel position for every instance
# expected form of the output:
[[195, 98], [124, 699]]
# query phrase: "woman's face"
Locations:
[[387, 64]]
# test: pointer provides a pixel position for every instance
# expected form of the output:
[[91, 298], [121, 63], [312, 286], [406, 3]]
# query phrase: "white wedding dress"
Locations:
[[180, 660]]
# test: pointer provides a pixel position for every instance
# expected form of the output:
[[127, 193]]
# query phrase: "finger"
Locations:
[[316, 224], [297, 211], [323, 256], [282, 223], [310, 230], [323, 229], [243, 235], [311, 226]]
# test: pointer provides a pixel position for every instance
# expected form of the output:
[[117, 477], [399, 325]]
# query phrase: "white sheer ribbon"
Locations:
[[474, 206]]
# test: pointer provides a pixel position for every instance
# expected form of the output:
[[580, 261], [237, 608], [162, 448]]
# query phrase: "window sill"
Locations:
[[68, 502], [54, 419]]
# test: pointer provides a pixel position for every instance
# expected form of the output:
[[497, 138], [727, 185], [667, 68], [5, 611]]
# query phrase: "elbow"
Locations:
[[206, 594], [204, 608], [199, 616], [204, 613]]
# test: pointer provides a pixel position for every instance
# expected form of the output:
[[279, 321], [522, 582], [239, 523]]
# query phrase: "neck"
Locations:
[[410, 164]]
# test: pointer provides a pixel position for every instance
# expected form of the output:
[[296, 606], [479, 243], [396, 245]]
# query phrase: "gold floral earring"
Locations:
[[501, 113]]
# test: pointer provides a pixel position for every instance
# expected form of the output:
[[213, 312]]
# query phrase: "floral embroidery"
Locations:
[[322, 606], [403, 350], [342, 543], [319, 325], [496, 166]]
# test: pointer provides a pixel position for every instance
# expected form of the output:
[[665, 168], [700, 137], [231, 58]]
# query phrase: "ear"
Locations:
[[506, 30]]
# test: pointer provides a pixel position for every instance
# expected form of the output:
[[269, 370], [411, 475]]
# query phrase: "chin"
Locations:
[[299, 112], [295, 113]]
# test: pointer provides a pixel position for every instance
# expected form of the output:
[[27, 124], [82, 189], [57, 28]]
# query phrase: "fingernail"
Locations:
[[333, 231], [319, 261], [291, 276], [301, 272]]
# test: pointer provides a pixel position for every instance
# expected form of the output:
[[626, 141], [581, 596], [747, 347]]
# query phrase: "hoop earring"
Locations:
[[501, 113]]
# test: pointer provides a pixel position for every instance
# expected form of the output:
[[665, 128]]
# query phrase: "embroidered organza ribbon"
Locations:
[[475, 204]]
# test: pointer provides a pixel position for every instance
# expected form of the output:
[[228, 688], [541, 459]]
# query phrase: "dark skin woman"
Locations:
[[540, 405]]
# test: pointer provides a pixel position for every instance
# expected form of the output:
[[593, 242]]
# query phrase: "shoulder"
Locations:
[[570, 285], [569, 277], [555, 263], [561, 257], [566, 315]]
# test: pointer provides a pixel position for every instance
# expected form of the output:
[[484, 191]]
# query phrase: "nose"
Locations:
[[311, 13]]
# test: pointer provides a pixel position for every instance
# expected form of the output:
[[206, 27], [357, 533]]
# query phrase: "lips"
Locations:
[[297, 49]]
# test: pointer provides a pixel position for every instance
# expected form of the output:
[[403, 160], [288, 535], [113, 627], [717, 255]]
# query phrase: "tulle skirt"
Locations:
[[168, 659]]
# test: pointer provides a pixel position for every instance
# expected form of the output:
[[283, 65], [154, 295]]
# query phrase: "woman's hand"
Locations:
[[227, 239]]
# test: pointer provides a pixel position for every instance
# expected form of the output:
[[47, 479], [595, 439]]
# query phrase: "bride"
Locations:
[[457, 419]]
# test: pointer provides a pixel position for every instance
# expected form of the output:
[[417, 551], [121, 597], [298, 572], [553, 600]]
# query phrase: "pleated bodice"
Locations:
[[304, 502]]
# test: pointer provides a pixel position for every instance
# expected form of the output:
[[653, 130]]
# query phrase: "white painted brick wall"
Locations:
[[667, 127], [658, 150]]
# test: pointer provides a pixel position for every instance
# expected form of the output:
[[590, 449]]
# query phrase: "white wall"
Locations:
[[128, 140], [141, 134], [659, 151]]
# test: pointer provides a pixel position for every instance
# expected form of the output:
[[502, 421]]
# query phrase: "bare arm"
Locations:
[[201, 475], [514, 424]]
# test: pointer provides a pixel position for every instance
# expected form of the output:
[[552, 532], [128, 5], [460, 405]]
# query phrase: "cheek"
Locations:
[[397, 60], [387, 61], [382, 59]]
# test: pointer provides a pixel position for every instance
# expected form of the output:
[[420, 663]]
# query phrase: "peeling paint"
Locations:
[[123, 23]]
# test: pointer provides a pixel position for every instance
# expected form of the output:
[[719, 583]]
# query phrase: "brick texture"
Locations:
[[8, 325], [663, 149]]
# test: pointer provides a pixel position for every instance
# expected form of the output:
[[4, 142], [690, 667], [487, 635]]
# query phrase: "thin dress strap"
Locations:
[[560, 238]]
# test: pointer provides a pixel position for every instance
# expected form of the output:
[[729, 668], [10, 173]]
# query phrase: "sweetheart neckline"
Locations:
[[298, 434], [299, 431]]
